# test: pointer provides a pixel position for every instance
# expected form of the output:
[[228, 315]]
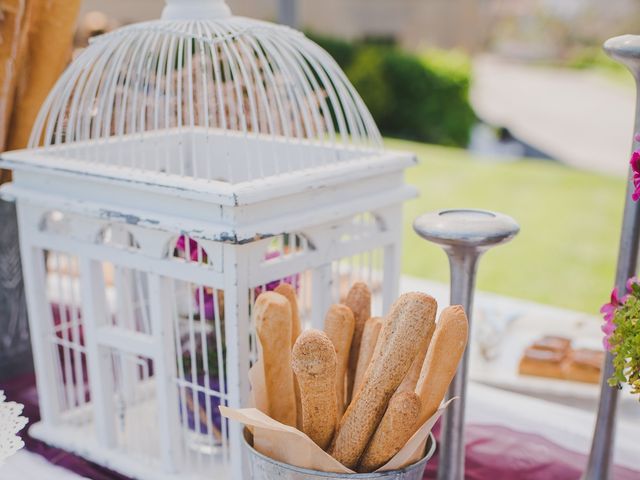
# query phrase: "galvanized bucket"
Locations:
[[265, 468]]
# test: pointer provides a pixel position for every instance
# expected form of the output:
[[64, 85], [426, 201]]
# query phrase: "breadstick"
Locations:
[[403, 332], [314, 363], [395, 429], [441, 362], [411, 380], [338, 325], [368, 342], [289, 292], [359, 301], [272, 314]]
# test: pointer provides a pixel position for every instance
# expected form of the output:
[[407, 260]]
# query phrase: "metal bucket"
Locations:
[[265, 468]]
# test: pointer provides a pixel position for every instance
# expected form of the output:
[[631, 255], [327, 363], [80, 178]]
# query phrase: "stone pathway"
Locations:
[[582, 119]]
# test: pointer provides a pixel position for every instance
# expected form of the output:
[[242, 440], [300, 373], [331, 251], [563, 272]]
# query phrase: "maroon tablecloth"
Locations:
[[22, 389], [493, 452]]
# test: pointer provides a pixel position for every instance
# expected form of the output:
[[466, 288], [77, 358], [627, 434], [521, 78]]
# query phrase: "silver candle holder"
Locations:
[[626, 50], [464, 235]]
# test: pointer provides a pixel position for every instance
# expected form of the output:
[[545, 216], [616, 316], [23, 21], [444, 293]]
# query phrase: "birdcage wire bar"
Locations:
[[243, 80], [197, 319]]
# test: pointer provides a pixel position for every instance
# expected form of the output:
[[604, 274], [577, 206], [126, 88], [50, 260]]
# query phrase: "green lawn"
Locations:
[[566, 251]]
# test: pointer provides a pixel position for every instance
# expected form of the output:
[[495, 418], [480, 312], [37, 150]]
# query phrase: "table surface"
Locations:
[[500, 423], [26, 465], [507, 433]]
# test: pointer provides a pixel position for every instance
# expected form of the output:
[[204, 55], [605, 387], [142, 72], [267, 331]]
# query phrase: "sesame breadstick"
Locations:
[[368, 342], [272, 314], [288, 291], [403, 332], [444, 354], [338, 325], [359, 301], [395, 429], [411, 380], [314, 363]]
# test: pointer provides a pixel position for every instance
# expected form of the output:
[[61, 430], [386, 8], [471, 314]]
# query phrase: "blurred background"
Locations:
[[510, 104]]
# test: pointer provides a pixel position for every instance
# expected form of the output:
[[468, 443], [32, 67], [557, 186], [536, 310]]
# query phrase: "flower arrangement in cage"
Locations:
[[203, 416], [200, 360], [204, 301]]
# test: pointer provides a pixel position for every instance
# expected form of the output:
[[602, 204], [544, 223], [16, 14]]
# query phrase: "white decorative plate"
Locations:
[[11, 422], [510, 340]]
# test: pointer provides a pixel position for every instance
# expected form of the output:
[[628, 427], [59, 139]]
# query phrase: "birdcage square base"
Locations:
[[76, 434]]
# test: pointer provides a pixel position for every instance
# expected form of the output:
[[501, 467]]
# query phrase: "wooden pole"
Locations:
[[35, 41], [35, 45], [626, 50], [51, 33], [14, 25]]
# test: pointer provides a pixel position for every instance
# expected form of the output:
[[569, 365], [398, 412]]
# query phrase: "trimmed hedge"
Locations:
[[342, 51], [420, 97]]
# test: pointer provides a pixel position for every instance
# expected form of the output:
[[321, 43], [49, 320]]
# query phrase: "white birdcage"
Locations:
[[178, 168]]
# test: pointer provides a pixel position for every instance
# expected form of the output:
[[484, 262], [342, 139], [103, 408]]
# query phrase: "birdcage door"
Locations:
[[130, 361]]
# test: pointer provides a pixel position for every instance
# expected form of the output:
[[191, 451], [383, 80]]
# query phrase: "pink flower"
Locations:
[[635, 168], [293, 280], [608, 327], [207, 308], [609, 310], [181, 246]]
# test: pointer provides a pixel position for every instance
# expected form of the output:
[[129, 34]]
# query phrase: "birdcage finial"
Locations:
[[195, 9]]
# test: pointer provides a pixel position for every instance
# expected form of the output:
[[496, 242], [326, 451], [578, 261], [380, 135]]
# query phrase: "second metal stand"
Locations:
[[626, 50]]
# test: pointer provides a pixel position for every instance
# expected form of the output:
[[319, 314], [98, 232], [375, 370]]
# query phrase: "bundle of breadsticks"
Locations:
[[360, 396]]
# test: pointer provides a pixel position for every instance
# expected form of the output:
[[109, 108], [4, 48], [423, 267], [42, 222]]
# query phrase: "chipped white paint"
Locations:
[[178, 169]]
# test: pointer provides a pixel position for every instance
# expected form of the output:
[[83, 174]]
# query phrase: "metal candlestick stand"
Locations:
[[464, 235], [626, 50]]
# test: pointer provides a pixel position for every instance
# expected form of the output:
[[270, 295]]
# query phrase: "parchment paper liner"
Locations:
[[289, 445]]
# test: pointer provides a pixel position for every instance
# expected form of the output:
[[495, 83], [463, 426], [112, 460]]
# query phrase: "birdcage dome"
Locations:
[[204, 94]]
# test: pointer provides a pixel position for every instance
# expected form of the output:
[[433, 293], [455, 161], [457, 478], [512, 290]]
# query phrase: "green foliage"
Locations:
[[565, 253], [453, 64], [594, 57], [419, 97], [211, 359], [342, 51], [367, 75], [625, 342]]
